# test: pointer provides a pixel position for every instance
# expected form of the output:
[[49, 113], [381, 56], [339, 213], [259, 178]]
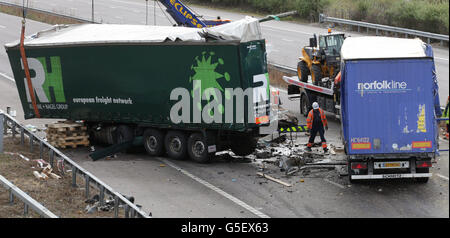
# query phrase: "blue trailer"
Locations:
[[389, 106]]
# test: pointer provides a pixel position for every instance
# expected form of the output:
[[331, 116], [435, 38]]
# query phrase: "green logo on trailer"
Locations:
[[206, 73], [47, 79]]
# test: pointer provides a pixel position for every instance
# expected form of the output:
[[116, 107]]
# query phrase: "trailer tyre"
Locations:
[[176, 145], [302, 71], [349, 170], [124, 133], [243, 145], [304, 104], [198, 148], [154, 142], [316, 74]]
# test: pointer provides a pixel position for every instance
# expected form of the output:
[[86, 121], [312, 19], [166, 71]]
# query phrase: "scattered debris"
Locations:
[[40, 163], [55, 176], [23, 157], [273, 179], [18, 154], [60, 165], [37, 175], [263, 154], [289, 165], [93, 200], [111, 157], [31, 128], [44, 176], [46, 170]]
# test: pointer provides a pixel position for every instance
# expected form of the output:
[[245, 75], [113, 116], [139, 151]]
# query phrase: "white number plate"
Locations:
[[392, 176], [391, 165]]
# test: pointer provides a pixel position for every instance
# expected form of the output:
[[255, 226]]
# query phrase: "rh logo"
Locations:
[[46, 77]]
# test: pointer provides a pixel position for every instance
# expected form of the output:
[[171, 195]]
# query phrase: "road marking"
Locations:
[[442, 176], [2, 26], [335, 184], [216, 189], [288, 40], [7, 77]]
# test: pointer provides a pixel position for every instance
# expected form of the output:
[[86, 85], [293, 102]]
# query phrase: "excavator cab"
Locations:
[[321, 58]]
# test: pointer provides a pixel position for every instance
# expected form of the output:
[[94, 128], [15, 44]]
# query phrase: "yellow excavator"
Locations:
[[321, 58]]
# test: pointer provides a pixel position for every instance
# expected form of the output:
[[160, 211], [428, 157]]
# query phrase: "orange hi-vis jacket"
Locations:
[[310, 118]]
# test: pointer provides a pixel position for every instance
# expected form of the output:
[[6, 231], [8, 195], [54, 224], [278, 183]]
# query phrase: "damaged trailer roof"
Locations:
[[378, 47], [244, 30]]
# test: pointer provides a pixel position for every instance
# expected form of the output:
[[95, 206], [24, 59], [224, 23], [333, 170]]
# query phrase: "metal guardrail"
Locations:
[[378, 27], [47, 12], [7, 122], [28, 201], [283, 68]]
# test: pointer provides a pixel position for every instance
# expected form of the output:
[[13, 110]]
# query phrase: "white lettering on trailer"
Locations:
[[375, 85], [382, 86]]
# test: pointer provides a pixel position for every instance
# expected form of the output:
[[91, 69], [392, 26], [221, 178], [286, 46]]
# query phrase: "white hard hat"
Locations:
[[315, 105]]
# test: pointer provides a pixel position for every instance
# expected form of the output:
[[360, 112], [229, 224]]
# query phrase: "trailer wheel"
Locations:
[[243, 145], [316, 74], [198, 148], [154, 142], [302, 71], [175, 144], [124, 133], [304, 105]]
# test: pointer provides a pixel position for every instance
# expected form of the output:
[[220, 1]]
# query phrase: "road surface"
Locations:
[[230, 188]]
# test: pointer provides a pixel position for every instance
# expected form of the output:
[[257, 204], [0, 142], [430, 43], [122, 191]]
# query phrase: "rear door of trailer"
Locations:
[[387, 106]]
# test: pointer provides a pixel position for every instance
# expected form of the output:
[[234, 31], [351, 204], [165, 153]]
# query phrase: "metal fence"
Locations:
[[377, 27], [9, 123], [28, 201]]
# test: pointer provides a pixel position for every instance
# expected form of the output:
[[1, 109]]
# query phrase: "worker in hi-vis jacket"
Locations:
[[316, 122]]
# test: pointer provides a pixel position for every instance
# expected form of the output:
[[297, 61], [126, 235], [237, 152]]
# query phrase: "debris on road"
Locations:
[[290, 156], [274, 179], [31, 128], [37, 175]]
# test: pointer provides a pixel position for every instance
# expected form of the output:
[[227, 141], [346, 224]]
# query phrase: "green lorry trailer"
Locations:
[[188, 92]]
